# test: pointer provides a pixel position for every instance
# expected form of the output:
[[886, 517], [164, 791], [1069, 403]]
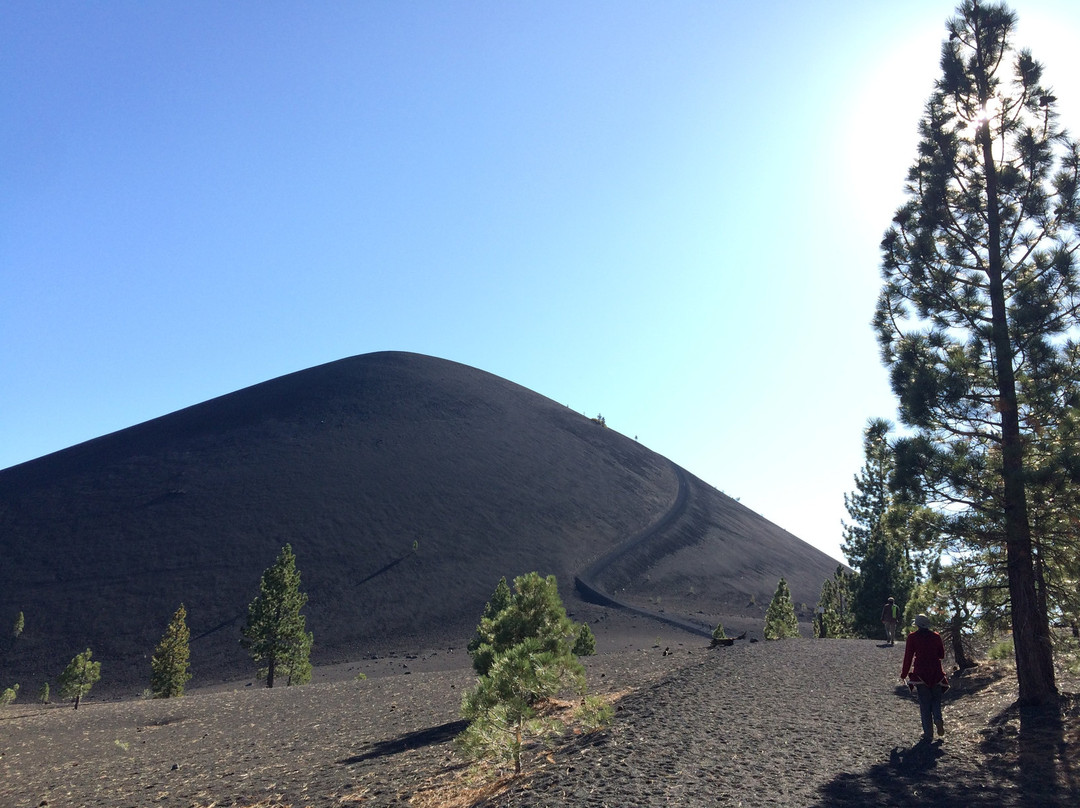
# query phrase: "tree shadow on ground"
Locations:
[[410, 740], [1039, 757], [1025, 758]]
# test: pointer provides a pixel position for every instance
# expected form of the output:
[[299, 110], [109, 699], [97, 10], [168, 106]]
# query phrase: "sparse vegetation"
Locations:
[[78, 677], [595, 713], [169, 665], [43, 693], [20, 624], [275, 632], [1001, 650], [780, 620]]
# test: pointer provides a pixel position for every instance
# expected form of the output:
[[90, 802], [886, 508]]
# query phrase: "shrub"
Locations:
[[718, 634], [594, 713], [1001, 650]]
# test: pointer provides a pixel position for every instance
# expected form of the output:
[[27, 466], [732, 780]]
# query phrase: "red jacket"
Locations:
[[923, 653]]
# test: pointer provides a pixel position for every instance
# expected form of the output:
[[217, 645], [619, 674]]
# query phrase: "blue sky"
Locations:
[[667, 213]]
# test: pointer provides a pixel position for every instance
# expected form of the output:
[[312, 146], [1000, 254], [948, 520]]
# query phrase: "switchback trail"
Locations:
[[590, 589]]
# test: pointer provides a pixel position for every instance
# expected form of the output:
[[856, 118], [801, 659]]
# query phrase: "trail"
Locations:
[[798, 722], [591, 591]]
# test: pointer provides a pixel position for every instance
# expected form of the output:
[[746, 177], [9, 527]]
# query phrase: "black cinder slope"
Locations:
[[406, 485]]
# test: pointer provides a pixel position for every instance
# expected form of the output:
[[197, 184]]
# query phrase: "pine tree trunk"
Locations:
[[1031, 630], [959, 654], [517, 748]]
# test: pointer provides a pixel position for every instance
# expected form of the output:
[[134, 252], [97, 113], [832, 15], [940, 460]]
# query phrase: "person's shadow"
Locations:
[[1034, 762], [916, 760]]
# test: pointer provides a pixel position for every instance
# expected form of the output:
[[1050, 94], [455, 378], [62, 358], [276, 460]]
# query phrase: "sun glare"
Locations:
[[988, 112]]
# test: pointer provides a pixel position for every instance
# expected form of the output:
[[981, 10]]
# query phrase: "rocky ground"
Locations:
[[789, 723]]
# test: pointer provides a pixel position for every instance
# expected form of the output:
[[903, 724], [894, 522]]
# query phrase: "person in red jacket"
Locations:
[[923, 653]]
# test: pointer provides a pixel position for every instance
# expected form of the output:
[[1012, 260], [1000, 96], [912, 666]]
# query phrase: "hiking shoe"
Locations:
[[940, 728]]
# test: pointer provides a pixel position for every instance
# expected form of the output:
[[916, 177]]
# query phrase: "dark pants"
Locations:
[[929, 706]]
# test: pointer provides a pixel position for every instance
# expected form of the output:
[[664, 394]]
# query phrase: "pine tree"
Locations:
[[170, 663], [780, 620], [501, 709], [78, 677], [20, 624], [876, 542], [980, 303], [835, 619], [533, 609], [867, 504], [275, 632], [585, 644], [523, 653]]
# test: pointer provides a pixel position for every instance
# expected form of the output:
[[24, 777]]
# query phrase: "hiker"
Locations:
[[923, 653], [890, 616]]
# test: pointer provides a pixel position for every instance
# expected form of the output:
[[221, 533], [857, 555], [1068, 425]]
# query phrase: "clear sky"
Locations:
[[667, 213]]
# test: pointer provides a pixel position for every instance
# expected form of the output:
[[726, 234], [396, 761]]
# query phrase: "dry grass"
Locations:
[[482, 780]]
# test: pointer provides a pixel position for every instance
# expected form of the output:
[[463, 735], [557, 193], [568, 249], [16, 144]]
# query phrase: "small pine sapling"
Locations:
[[718, 634], [780, 620], [170, 663], [78, 677], [585, 644]]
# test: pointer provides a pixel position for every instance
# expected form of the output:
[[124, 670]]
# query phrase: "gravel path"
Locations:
[[789, 723]]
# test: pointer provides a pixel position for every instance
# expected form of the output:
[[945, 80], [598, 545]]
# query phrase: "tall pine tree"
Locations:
[[980, 301], [275, 632]]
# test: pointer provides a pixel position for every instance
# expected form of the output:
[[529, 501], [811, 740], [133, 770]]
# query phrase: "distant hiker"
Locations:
[[923, 653], [890, 616]]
